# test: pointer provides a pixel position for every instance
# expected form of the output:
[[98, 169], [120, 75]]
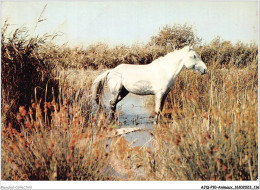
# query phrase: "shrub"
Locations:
[[175, 37], [222, 53]]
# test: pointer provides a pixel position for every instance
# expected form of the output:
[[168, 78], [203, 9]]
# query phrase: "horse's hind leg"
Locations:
[[112, 104], [114, 100], [122, 93], [118, 95]]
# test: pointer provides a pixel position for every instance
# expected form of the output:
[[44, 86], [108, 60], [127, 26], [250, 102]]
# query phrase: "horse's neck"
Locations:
[[173, 65]]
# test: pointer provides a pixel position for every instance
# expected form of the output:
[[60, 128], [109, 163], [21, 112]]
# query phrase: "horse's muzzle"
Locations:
[[205, 71]]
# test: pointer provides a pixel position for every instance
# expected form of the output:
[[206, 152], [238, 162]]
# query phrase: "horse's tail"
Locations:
[[98, 86]]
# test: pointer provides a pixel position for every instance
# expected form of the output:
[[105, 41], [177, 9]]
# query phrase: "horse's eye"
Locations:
[[194, 56]]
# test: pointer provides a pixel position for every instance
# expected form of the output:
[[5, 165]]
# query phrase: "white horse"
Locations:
[[155, 78]]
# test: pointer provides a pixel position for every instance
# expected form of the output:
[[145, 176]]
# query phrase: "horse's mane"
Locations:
[[166, 57]]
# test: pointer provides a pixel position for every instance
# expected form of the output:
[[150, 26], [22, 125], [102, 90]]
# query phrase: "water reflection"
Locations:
[[134, 113]]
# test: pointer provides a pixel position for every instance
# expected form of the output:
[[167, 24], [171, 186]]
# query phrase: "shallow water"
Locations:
[[134, 113]]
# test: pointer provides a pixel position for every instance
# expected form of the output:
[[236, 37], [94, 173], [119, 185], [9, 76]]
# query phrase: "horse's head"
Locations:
[[193, 61]]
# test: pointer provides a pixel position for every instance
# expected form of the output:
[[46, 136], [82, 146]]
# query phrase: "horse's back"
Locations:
[[137, 79], [126, 67]]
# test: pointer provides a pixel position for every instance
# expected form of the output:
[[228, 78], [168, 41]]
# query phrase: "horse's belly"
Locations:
[[140, 87], [137, 79]]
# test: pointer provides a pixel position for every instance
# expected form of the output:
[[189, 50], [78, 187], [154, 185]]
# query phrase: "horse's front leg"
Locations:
[[159, 102]]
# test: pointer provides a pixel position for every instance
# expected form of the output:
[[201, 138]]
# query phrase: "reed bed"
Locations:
[[51, 131], [213, 133], [56, 143]]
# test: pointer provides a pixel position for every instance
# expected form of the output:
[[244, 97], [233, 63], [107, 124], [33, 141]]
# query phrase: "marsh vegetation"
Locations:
[[50, 129]]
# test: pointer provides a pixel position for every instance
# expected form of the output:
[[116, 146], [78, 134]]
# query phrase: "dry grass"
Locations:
[[63, 146], [50, 130], [99, 56], [214, 133]]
